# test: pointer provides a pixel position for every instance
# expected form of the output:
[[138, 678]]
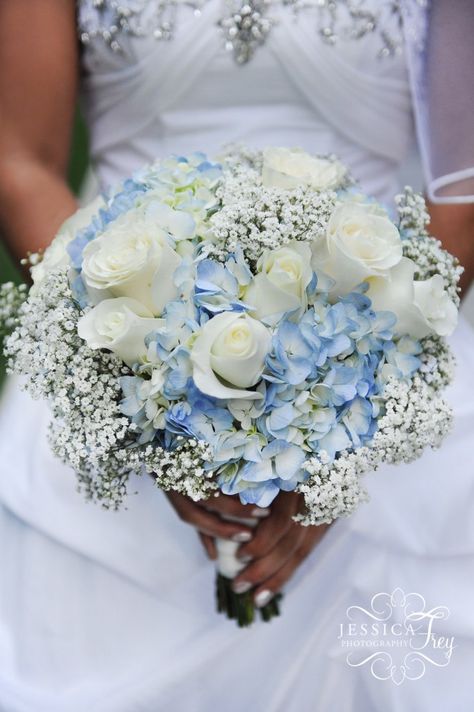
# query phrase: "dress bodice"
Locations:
[[151, 98]]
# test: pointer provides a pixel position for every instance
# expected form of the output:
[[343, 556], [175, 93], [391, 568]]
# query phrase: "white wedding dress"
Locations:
[[114, 612]]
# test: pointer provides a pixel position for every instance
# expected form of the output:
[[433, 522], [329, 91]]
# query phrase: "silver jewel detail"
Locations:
[[109, 19], [246, 27], [246, 23]]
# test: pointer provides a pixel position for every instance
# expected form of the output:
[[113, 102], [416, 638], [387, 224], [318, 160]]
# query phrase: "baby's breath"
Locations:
[[414, 418], [182, 470], [254, 218], [87, 431], [426, 251], [12, 297]]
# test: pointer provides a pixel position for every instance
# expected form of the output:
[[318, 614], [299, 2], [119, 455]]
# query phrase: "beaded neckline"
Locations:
[[245, 24]]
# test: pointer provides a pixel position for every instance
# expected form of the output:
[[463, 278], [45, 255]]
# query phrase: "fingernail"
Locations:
[[241, 587], [262, 598], [241, 537], [260, 512], [245, 559]]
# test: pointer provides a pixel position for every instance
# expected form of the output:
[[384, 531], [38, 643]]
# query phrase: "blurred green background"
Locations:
[[77, 169]]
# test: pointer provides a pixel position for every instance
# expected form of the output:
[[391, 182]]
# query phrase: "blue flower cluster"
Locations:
[[320, 389], [322, 383], [322, 375], [181, 182]]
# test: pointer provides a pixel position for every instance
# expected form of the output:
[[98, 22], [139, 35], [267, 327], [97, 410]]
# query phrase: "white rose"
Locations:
[[119, 325], [421, 307], [280, 285], [289, 168], [438, 309], [232, 346], [360, 242], [56, 254], [132, 258]]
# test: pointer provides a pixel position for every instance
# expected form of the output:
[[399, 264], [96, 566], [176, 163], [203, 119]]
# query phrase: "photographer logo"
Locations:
[[397, 637]]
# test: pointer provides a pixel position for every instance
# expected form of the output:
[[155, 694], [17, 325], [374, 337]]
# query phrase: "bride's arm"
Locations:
[[454, 226], [38, 85]]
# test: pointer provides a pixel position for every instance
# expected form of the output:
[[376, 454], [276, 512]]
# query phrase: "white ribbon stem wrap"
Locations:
[[228, 564]]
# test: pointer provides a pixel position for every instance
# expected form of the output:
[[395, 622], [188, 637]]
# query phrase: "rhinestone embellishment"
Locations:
[[246, 28], [245, 24]]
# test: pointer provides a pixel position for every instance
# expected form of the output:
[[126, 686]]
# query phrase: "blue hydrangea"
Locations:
[[239, 268], [181, 321], [232, 446], [293, 357], [278, 466], [402, 358], [335, 441], [335, 329], [144, 404], [181, 172], [216, 288], [357, 418], [179, 374], [198, 417], [338, 386]]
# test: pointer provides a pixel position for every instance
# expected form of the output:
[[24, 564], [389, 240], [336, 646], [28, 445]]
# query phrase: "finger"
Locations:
[[232, 506], [209, 544], [208, 522], [265, 568], [273, 528], [265, 591]]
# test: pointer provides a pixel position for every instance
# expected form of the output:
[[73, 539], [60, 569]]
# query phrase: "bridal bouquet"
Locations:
[[244, 327]]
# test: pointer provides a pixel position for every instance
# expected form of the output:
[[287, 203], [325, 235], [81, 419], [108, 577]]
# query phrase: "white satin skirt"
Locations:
[[114, 611]]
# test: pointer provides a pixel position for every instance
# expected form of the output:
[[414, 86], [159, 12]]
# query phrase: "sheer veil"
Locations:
[[439, 39]]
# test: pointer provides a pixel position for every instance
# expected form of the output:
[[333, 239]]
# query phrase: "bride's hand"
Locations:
[[277, 548], [207, 517], [273, 550]]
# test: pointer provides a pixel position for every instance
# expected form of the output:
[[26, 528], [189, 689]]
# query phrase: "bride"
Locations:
[[110, 611]]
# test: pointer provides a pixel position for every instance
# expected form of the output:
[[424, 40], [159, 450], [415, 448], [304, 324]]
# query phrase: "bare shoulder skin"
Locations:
[[39, 69]]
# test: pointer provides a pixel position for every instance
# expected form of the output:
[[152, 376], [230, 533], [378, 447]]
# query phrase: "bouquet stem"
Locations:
[[240, 606]]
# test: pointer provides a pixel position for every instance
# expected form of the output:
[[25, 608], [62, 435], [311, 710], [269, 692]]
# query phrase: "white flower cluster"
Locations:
[[431, 259], [415, 418], [412, 211], [334, 489], [12, 297], [256, 218], [235, 156], [87, 431], [437, 362], [426, 251], [171, 469]]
